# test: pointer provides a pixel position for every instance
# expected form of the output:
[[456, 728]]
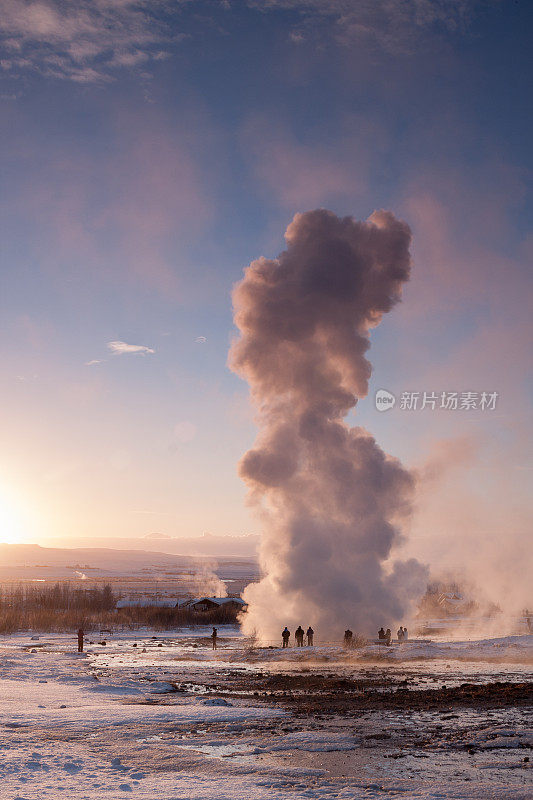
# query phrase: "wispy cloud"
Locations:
[[84, 40], [121, 348], [93, 362], [87, 41], [391, 25]]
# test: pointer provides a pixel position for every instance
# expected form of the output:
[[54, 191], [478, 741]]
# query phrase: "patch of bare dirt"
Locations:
[[328, 694]]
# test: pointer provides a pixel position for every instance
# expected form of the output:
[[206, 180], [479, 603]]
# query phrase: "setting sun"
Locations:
[[11, 524]]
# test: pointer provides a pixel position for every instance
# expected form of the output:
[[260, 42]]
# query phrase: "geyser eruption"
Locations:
[[331, 499]]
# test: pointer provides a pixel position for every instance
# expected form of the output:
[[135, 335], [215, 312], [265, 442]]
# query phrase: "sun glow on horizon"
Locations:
[[12, 528]]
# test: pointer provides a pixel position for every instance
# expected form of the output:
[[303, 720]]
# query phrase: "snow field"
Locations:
[[109, 723]]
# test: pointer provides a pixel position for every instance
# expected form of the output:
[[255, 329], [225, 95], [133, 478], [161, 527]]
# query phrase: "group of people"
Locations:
[[298, 636], [348, 641], [386, 636]]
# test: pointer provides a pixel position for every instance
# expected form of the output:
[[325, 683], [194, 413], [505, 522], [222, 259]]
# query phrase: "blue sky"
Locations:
[[152, 149]]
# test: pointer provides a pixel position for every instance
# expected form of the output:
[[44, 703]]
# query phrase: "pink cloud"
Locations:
[[460, 223], [125, 213], [303, 175]]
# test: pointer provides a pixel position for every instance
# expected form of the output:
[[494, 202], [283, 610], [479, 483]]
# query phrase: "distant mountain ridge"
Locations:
[[131, 552], [31, 562], [206, 545]]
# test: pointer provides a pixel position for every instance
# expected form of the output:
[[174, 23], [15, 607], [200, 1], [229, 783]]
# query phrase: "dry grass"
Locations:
[[356, 641], [62, 609], [58, 621]]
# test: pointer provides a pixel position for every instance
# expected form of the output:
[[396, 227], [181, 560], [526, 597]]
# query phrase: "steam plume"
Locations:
[[331, 499], [205, 581]]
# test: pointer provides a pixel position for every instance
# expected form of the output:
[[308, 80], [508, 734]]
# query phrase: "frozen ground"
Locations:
[[146, 721]]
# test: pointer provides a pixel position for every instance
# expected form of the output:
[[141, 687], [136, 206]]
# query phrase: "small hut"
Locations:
[[210, 603]]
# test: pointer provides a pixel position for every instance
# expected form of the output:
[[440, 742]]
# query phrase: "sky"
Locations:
[[152, 149]]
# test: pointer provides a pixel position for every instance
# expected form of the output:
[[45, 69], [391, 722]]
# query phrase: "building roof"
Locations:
[[219, 601], [171, 602]]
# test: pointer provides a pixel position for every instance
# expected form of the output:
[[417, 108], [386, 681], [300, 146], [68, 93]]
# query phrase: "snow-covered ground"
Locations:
[[110, 723], [507, 649]]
